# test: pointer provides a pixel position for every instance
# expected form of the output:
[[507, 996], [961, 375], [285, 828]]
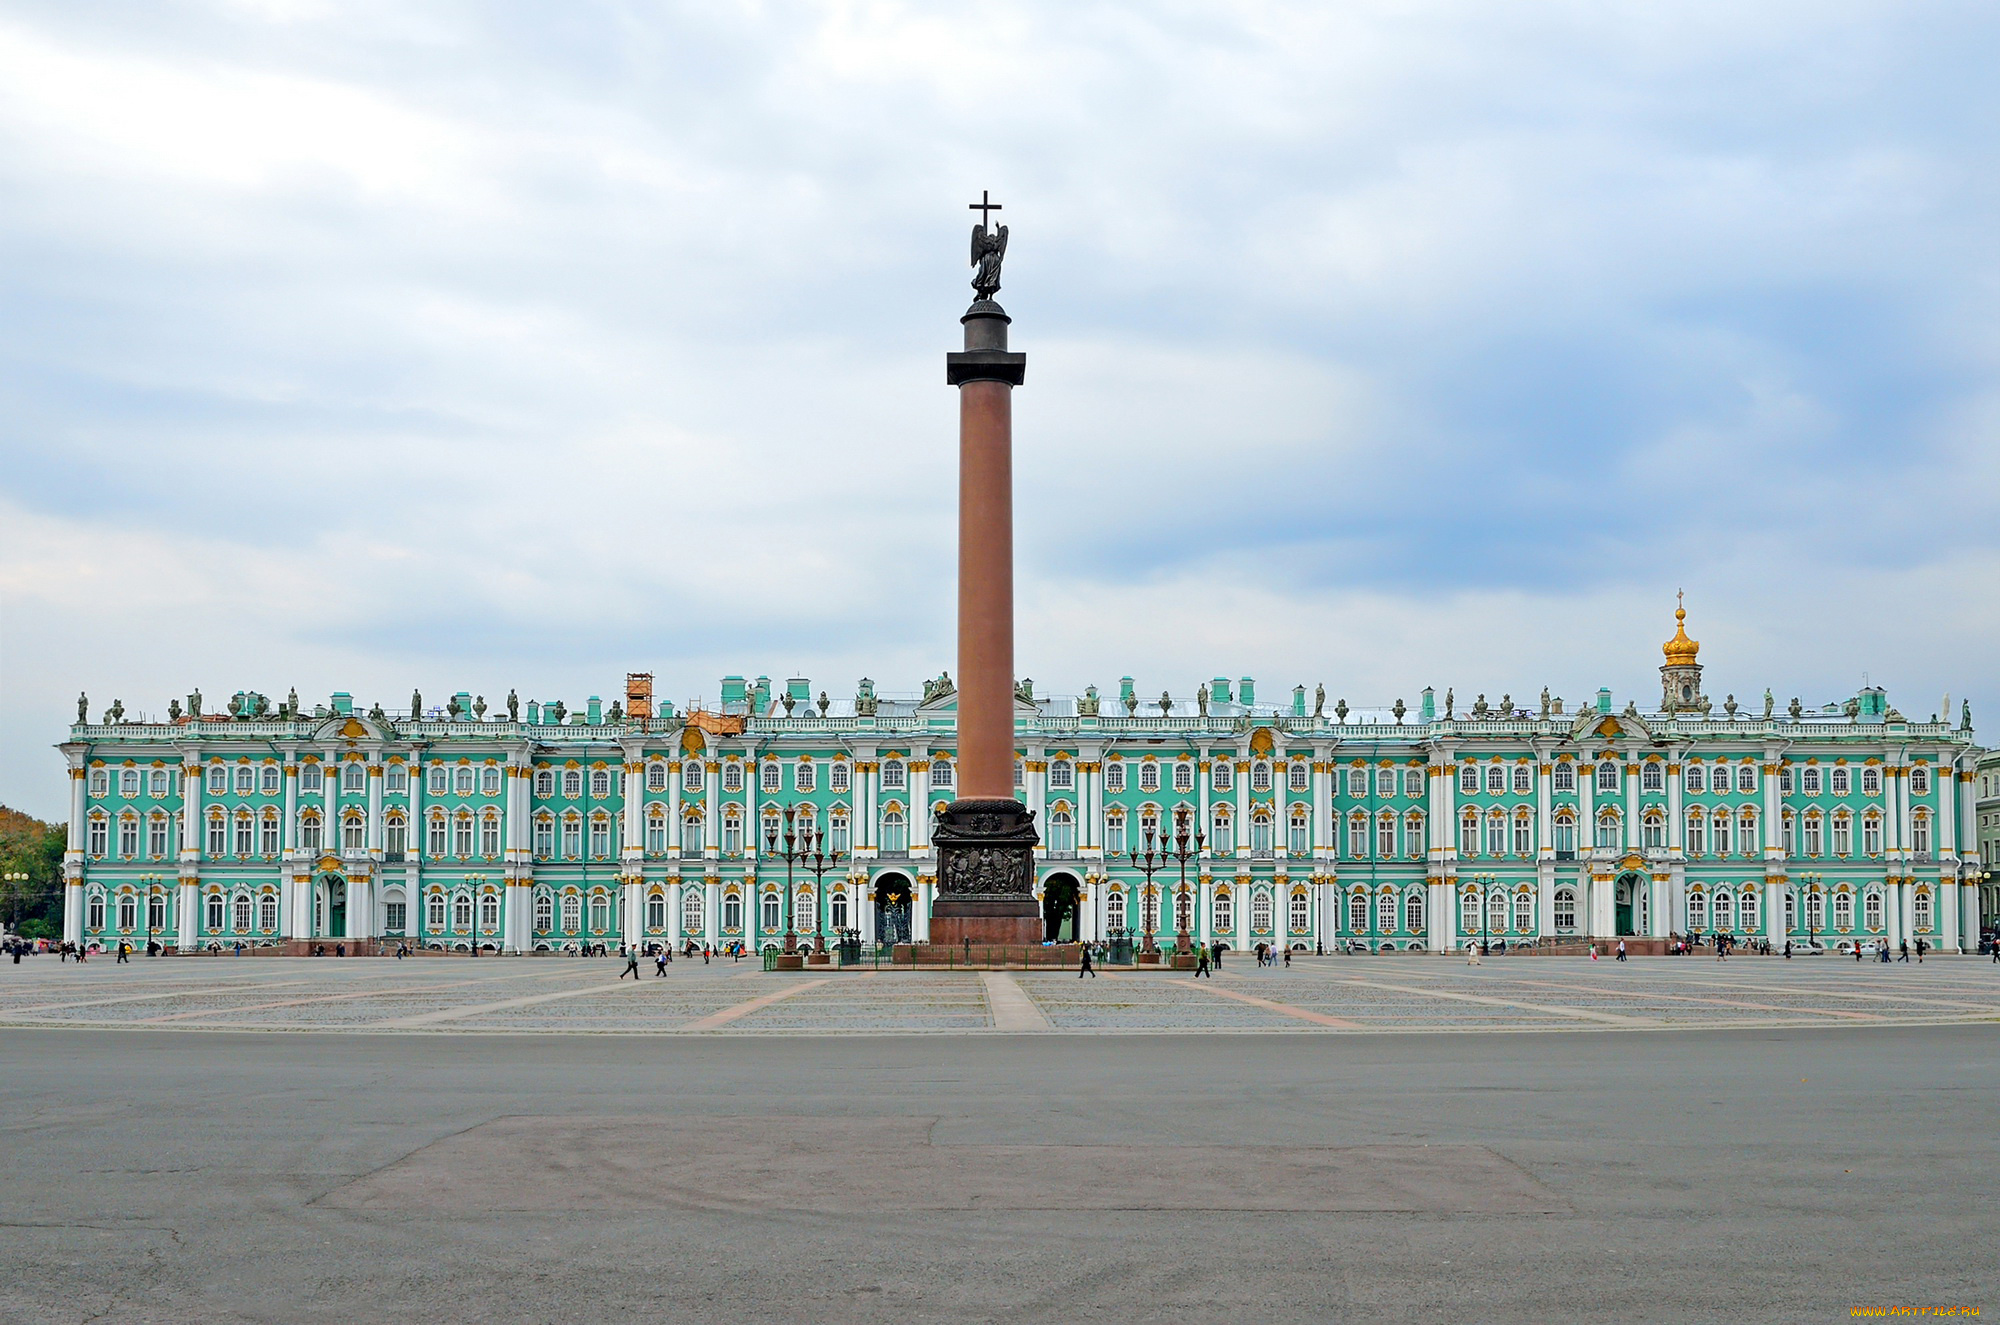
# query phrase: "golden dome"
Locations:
[[1680, 650]]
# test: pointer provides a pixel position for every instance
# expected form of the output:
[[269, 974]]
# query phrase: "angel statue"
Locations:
[[989, 248]]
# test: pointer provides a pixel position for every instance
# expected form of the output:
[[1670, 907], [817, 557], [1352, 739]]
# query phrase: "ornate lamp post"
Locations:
[[151, 881], [1186, 847], [1149, 860], [1808, 888], [794, 851], [14, 882], [1485, 882], [812, 850]]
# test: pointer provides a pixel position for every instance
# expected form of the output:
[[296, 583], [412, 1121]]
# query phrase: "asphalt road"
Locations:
[[1766, 1175]]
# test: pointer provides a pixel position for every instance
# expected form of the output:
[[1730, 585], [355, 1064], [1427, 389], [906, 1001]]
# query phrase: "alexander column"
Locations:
[[986, 838]]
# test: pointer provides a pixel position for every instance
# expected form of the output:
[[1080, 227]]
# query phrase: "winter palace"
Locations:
[[534, 827]]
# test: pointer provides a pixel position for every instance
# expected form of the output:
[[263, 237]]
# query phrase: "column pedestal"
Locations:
[[986, 871]]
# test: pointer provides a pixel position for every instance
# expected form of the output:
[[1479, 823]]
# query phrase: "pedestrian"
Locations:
[[1906, 951], [1084, 966], [1217, 963], [704, 954], [1788, 949], [660, 964], [1857, 951], [1472, 954], [631, 963], [1201, 965], [124, 959], [1288, 956], [1920, 952]]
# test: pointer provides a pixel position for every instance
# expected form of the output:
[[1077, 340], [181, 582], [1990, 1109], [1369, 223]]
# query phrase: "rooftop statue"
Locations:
[[1319, 701]]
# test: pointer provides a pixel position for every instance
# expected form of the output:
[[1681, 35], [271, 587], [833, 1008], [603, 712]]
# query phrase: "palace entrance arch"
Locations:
[[1626, 903], [1059, 908], [330, 907], [894, 906]]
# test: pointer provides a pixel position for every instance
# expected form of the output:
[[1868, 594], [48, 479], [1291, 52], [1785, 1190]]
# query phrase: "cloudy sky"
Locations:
[[373, 346]]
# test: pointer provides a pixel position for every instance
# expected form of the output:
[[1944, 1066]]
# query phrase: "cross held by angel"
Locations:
[[989, 248]]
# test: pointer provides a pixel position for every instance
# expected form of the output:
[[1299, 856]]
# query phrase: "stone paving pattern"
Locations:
[[1332, 995]]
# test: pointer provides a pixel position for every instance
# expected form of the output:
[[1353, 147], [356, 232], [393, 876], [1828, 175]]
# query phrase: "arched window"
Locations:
[[1723, 918], [354, 777], [1747, 912], [545, 783], [1225, 911], [692, 833], [694, 911], [1920, 781], [1301, 917], [572, 782], [1468, 834], [1920, 910], [1871, 781], [1114, 909], [600, 913], [1565, 910], [1496, 912], [1816, 909], [572, 913], [1222, 776], [1524, 912], [1652, 776], [1062, 830], [896, 831], [1297, 831], [1413, 911], [1184, 911], [1496, 780], [461, 780], [1523, 779], [732, 776], [489, 780], [1693, 779], [1260, 776], [1357, 913], [1837, 780], [769, 776], [941, 777], [1607, 776], [545, 912], [1746, 779], [214, 910], [1260, 833], [1697, 833], [656, 776], [1654, 830], [311, 779], [1300, 778], [1564, 777], [1565, 836], [572, 835], [1871, 909], [435, 918], [1468, 911], [1149, 776], [1183, 776], [1468, 780], [461, 911], [1260, 911], [267, 912], [245, 780], [1843, 910], [1062, 775], [840, 779], [1607, 829], [836, 907], [1222, 832], [1809, 780], [218, 781], [1697, 910]]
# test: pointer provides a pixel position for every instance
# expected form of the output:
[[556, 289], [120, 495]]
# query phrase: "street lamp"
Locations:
[[1485, 882], [1187, 846], [812, 850], [151, 881], [794, 851], [1808, 887], [14, 883], [1149, 861]]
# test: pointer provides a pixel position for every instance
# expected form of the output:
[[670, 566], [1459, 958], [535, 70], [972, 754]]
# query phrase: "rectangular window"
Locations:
[[941, 775], [128, 838], [268, 833], [1841, 844], [1812, 837], [656, 833], [1357, 838], [462, 838], [1385, 838], [1722, 834], [1114, 834], [437, 842], [1871, 836], [545, 838], [489, 837], [396, 781], [1524, 837], [156, 838], [395, 915], [1697, 833], [218, 837], [1295, 838], [396, 840], [572, 837], [600, 837]]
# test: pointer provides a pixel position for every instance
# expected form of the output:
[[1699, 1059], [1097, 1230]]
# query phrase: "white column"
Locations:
[[1632, 838], [635, 915], [712, 839], [1545, 814], [290, 829], [190, 811], [920, 923], [1774, 912], [673, 911], [674, 808], [188, 918], [753, 787], [375, 836], [1676, 781], [73, 910], [712, 917], [1241, 761], [1944, 915]]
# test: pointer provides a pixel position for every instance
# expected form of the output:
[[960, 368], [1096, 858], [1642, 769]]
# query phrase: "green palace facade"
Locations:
[[533, 827]]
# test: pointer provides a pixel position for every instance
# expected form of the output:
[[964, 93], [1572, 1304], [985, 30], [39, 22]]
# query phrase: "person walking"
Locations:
[[1857, 952], [1621, 950], [124, 957], [660, 963], [1288, 956], [1216, 963], [1085, 966], [1920, 952], [631, 965], [1201, 966], [1906, 951], [1472, 954]]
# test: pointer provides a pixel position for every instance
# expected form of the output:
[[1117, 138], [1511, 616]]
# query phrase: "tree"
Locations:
[[31, 905]]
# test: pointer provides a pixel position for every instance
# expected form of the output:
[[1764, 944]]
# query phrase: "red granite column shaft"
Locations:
[[986, 590]]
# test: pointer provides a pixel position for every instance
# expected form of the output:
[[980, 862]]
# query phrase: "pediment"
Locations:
[[351, 727], [1609, 726]]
